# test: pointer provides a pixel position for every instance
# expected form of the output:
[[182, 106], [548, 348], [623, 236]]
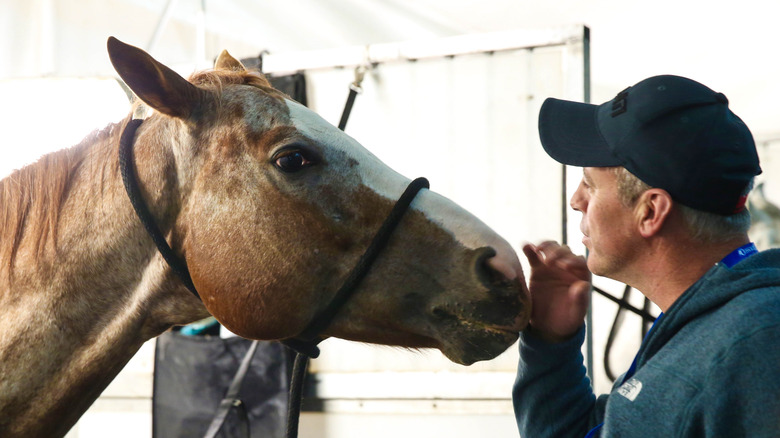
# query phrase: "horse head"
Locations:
[[273, 206]]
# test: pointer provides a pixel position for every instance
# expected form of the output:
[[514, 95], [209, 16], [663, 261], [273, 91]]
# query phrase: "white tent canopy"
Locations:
[[728, 47]]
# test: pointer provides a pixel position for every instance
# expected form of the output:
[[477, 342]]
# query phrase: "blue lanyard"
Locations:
[[739, 254], [631, 370], [595, 431]]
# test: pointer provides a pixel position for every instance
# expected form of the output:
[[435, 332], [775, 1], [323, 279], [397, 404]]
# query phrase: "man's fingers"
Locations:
[[553, 254], [548, 246], [544, 253], [532, 254]]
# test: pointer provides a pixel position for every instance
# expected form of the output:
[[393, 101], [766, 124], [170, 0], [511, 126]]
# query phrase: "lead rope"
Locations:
[[306, 343], [231, 399], [296, 394]]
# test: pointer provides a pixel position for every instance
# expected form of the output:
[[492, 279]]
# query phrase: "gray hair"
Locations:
[[704, 226]]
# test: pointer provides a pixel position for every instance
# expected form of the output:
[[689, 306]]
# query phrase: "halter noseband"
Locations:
[[306, 342]]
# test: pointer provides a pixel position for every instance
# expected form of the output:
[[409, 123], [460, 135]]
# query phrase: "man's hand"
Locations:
[[559, 286]]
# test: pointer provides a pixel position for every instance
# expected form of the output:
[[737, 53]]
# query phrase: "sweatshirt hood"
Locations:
[[716, 288]]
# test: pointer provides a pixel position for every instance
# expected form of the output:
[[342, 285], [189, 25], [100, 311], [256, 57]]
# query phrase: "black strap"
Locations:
[[623, 305], [644, 314], [296, 394], [305, 347], [354, 89], [323, 319], [353, 92], [231, 397], [306, 343], [127, 168], [616, 323]]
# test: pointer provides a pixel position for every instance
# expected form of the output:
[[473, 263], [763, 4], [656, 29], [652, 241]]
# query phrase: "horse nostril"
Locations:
[[488, 270], [439, 312], [482, 269]]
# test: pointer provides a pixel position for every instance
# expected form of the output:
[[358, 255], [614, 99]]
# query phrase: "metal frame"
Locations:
[[411, 51]]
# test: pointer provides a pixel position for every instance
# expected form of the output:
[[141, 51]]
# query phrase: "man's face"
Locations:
[[607, 224]]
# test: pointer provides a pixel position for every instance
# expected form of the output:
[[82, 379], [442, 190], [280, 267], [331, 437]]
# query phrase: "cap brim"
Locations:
[[570, 134]]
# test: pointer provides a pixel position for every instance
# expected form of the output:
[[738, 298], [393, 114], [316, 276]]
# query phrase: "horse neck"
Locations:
[[82, 295]]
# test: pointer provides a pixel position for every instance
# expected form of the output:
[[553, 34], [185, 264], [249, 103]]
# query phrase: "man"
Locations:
[[667, 169]]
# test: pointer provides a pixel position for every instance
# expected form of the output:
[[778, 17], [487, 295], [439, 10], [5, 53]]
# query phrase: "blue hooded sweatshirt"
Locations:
[[709, 368]]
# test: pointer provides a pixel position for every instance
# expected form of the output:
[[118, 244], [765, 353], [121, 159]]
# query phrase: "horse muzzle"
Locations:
[[480, 325]]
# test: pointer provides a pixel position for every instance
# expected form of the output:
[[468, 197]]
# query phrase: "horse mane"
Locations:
[[32, 197], [215, 80]]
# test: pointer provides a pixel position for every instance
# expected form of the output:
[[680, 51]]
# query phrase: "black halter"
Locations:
[[305, 344], [127, 168]]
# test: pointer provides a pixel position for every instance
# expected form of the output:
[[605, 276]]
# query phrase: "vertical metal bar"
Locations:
[[564, 208], [586, 60], [586, 99]]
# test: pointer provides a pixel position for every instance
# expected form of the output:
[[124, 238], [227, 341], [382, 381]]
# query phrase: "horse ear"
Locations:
[[227, 62], [157, 85]]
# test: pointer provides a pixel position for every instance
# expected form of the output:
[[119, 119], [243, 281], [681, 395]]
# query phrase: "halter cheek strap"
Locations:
[[306, 342], [130, 180]]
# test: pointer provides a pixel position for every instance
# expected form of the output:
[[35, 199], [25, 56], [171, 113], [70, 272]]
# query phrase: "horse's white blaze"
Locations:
[[462, 225], [469, 231]]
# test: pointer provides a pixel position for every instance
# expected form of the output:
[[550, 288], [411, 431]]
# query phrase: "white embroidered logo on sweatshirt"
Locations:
[[630, 389]]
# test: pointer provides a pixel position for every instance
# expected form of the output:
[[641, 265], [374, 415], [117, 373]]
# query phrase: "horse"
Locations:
[[267, 204]]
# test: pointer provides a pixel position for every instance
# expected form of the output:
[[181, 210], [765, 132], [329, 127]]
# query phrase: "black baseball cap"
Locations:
[[671, 132]]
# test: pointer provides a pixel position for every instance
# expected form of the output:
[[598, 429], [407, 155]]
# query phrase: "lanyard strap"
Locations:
[[595, 431], [631, 370], [739, 254]]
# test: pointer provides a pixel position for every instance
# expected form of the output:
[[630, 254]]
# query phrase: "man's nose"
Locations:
[[578, 201]]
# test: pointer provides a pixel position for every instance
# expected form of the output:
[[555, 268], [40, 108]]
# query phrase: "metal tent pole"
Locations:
[[164, 17], [586, 99]]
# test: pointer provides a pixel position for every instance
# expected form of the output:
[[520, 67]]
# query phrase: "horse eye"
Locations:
[[293, 161]]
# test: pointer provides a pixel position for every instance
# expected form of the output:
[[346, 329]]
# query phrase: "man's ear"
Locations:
[[652, 210]]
